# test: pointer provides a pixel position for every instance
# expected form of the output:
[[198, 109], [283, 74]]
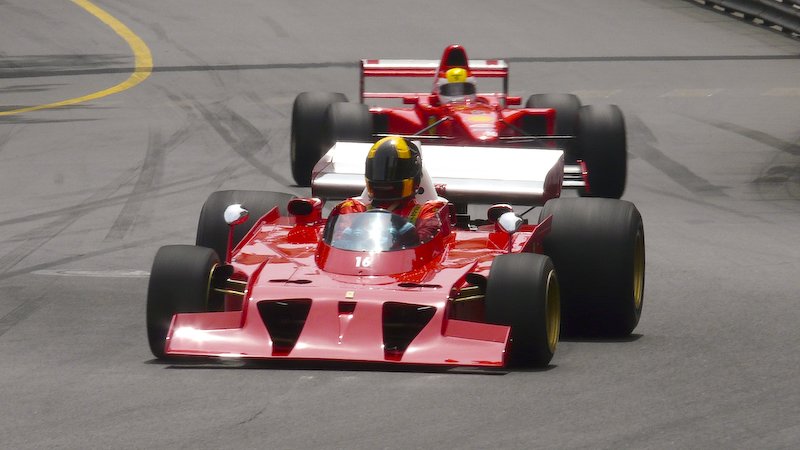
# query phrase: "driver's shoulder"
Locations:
[[434, 204], [350, 205]]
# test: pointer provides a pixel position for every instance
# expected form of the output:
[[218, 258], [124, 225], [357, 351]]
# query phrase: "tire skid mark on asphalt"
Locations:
[[274, 25], [780, 179], [187, 68], [34, 239], [641, 142], [184, 102], [701, 202], [755, 135], [48, 231], [21, 313], [113, 200], [148, 173], [86, 255], [149, 178], [268, 106], [143, 62], [5, 137], [252, 416], [165, 38], [242, 136], [93, 273]]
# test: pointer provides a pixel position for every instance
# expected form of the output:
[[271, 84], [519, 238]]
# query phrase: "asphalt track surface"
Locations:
[[92, 189]]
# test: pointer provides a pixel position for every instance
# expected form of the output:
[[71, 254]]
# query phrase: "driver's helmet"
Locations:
[[456, 86], [393, 170]]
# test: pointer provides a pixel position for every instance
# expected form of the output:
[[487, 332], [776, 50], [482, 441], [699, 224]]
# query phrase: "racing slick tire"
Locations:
[[212, 230], [307, 138], [597, 246], [567, 107], [179, 283], [602, 145], [523, 292], [347, 122]]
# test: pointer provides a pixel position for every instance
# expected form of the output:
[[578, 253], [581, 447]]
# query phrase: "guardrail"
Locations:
[[783, 15]]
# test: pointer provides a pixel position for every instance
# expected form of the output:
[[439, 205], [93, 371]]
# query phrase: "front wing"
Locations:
[[357, 334]]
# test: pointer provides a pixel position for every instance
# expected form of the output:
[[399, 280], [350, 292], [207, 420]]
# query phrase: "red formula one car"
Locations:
[[454, 113], [284, 282]]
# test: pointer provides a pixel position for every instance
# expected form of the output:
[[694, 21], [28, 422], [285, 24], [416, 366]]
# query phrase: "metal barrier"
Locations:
[[783, 15]]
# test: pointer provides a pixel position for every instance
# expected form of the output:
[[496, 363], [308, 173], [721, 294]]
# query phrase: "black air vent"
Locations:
[[286, 280], [402, 323], [457, 58], [284, 320], [419, 285]]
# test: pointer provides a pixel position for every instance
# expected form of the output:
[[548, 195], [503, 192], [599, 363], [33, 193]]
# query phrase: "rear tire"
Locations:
[[523, 292], [602, 144], [212, 230], [597, 246], [308, 142], [567, 107], [180, 282]]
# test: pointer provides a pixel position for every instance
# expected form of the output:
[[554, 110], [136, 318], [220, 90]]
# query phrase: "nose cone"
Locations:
[[480, 125]]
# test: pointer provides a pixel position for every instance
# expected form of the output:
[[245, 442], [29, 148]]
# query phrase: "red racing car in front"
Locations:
[[271, 278]]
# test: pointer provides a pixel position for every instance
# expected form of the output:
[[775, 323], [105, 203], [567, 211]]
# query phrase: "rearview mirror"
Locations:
[[235, 214], [509, 222]]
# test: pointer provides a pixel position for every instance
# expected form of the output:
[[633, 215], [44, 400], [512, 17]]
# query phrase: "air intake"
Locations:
[[284, 320], [402, 323]]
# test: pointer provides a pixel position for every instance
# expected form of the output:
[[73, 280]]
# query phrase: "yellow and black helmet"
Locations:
[[393, 170]]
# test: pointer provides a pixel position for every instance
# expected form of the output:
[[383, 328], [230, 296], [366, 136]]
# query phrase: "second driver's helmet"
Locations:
[[456, 86], [393, 169]]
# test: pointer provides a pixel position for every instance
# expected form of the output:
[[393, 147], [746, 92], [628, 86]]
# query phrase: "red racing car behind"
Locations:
[[455, 112]]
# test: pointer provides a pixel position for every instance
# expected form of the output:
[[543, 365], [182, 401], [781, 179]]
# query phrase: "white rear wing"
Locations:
[[461, 174], [415, 68]]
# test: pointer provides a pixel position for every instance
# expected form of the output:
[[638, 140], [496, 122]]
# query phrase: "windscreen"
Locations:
[[373, 231]]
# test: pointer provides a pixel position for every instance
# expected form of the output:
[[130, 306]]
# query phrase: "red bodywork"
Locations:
[[485, 119], [307, 300]]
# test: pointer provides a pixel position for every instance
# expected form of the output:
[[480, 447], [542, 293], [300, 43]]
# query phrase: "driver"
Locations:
[[456, 86], [393, 172]]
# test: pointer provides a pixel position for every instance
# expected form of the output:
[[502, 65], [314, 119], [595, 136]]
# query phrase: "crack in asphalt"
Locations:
[[20, 72]]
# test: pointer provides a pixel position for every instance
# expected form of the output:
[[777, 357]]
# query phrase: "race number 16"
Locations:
[[366, 261]]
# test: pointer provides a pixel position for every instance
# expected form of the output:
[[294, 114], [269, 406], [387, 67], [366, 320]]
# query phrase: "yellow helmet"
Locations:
[[456, 75], [456, 86], [393, 169]]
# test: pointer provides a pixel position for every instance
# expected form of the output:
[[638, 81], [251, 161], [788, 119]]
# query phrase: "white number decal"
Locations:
[[363, 262]]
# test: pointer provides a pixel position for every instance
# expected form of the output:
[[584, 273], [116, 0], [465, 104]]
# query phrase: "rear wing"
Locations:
[[461, 174], [421, 68]]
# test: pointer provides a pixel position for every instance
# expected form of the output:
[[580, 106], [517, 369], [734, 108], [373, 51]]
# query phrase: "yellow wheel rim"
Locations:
[[553, 311]]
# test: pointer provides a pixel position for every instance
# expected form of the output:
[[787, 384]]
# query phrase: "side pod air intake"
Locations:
[[284, 320], [402, 323]]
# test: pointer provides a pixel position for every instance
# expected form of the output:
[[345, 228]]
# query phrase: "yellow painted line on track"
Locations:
[[143, 62]]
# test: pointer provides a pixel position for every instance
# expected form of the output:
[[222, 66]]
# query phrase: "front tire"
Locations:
[[523, 293], [212, 230], [597, 246], [180, 282]]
